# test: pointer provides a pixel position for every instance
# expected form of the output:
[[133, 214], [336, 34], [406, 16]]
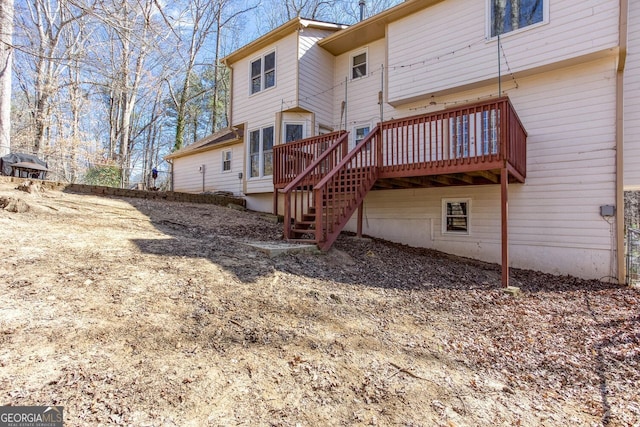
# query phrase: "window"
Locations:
[[510, 15], [254, 153], [359, 65], [261, 152], [459, 134], [267, 151], [455, 216], [293, 132], [359, 133], [263, 73], [490, 132], [226, 160]]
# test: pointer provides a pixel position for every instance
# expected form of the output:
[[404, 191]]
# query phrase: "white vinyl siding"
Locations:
[[362, 107], [259, 110], [554, 220], [187, 177], [458, 54], [632, 102], [316, 76]]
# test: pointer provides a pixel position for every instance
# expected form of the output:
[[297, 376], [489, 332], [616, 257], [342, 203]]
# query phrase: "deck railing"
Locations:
[[292, 158], [473, 137]]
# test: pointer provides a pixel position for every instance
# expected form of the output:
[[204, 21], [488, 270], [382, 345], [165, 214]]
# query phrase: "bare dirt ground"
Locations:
[[148, 313]]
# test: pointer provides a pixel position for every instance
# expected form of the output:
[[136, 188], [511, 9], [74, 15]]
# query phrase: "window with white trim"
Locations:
[[359, 133], [226, 160], [510, 15], [456, 216], [293, 132], [359, 65], [263, 72], [261, 152]]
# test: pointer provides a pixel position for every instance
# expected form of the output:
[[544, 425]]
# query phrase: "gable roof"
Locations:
[[371, 29], [228, 136], [277, 34]]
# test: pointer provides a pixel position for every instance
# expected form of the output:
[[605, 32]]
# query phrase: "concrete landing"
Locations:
[[274, 249]]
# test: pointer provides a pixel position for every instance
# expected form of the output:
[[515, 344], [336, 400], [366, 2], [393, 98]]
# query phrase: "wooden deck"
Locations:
[[324, 184]]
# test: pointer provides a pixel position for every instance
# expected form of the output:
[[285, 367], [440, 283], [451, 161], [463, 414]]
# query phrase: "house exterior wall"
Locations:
[[362, 107], [259, 110], [561, 78], [445, 46], [554, 221], [632, 101], [187, 177], [316, 82]]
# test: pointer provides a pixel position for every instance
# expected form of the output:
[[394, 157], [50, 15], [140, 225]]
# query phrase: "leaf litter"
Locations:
[[140, 312]]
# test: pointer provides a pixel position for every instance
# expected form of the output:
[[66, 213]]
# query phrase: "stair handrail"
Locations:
[[281, 173], [341, 142], [320, 187], [350, 156], [326, 153]]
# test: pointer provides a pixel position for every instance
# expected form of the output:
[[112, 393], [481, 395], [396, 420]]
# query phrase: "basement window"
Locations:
[[455, 216]]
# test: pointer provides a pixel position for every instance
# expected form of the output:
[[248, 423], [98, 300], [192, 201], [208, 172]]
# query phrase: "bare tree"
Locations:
[[132, 33], [43, 26], [201, 19], [6, 55]]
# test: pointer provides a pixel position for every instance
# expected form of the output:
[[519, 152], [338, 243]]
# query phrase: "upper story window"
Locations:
[[511, 15], [263, 73], [359, 65]]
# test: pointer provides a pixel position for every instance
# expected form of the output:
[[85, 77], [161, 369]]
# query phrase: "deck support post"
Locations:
[[275, 201], [359, 231], [504, 211]]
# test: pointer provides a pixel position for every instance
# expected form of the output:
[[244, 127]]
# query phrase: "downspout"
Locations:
[[622, 57]]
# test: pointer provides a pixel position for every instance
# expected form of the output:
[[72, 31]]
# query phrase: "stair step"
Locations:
[[305, 223], [303, 240], [302, 232]]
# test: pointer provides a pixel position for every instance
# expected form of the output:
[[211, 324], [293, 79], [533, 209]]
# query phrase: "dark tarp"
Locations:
[[9, 160]]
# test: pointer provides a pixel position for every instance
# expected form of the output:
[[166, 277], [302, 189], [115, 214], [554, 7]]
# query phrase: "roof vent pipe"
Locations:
[[362, 3]]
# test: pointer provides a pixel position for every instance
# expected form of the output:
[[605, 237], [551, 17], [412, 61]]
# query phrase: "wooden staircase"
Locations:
[[321, 199], [302, 229]]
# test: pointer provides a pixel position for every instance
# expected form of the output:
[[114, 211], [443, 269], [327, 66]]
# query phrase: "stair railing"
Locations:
[[341, 191], [298, 194], [292, 158]]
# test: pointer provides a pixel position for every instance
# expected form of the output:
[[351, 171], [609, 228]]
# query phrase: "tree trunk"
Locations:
[[6, 54]]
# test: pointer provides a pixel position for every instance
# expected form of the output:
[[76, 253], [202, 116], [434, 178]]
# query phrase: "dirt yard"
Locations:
[[148, 313]]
